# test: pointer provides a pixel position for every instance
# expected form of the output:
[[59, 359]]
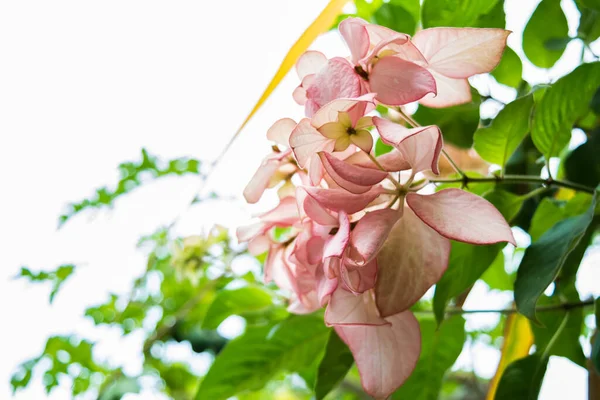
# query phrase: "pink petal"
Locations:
[[315, 168], [450, 92], [385, 39], [285, 214], [306, 141], [463, 216], [420, 146], [315, 211], [398, 82], [359, 280], [325, 285], [341, 200], [336, 80], [369, 235], [346, 308], [299, 95], [353, 178], [385, 355], [281, 130], [329, 112], [310, 63], [393, 161], [336, 245], [249, 232], [355, 34], [259, 245], [462, 52], [412, 259], [262, 177]]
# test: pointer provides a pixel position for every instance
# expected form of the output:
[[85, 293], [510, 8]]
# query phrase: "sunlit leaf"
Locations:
[[249, 299], [547, 23], [453, 13]]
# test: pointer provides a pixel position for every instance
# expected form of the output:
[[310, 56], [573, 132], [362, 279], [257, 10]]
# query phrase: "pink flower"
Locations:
[[275, 166]]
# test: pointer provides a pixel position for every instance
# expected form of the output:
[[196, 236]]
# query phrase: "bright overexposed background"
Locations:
[[84, 85]]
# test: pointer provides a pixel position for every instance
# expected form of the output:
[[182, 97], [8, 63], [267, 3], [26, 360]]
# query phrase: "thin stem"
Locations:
[[553, 307], [465, 180], [451, 161]]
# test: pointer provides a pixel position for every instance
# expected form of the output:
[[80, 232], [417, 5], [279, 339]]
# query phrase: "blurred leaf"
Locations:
[[458, 123], [522, 379], [453, 13], [543, 260], [507, 203], [439, 350], [496, 276], [395, 17], [562, 105], [382, 148], [120, 388], [583, 164], [593, 4], [547, 23], [497, 143], [589, 24], [518, 339], [56, 277], [510, 69], [334, 366], [249, 361], [550, 211], [495, 18], [240, 301], [566, 343], [595, 357], [321, 24], [132, 175], [467, 263]]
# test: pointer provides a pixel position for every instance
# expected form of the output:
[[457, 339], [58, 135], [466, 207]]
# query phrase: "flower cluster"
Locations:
[[361, 240]]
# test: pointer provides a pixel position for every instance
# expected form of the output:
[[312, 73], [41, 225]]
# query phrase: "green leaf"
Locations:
[[395, 17], [454, 13], [595, 357], [550, 211], [334, 366], [467, 263], [497, 143], [119, 388], [382, 148], [496, 276], [412, 6], [593, 4], [522, 379], [562, 105], [249, 361], [458, 123], [495, 18], [510, 69], [548, 22], [439, 350], [509, 204], [583, 164], [249, 299], [57, 277], [589, 24], [543, 260], [566, 344]]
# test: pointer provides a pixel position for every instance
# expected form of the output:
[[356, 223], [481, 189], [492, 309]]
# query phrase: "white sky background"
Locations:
[[85, 85]]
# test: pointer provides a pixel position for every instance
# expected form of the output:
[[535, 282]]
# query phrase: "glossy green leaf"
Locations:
[[510, 69], [595, 357], [543, 260], [589, 24], [382, 148], [509, 204], [453, 13], [395, 17], [458, 123], [550, 211], [440, 349], [412, 6], [562, 105], [249, 361], [334, 366], [522, 379], [547, 23], [240, 301], [467, 263], [498, 142], [566, 343], [494, 18]]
